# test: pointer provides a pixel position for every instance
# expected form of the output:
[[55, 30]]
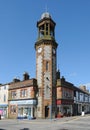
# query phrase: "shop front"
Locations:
[[3, 110], [26, 111], [22, 109], [64, 108]]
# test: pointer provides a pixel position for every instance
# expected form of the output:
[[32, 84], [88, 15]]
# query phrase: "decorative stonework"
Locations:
[[39, 70], [47, 52]]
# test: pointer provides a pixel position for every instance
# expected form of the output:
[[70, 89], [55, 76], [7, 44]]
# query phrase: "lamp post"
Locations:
[[50, 111]]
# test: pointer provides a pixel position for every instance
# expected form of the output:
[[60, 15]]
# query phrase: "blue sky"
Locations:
[[18, 34]]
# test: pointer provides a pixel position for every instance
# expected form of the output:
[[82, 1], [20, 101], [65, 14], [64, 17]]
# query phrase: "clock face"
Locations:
[[39, 50], [54, 51]]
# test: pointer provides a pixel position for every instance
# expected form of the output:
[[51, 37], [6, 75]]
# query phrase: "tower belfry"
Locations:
[[46, 65], [46, 27]]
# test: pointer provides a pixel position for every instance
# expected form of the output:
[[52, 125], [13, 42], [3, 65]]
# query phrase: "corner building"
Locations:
[[22, 98], [46, 65]]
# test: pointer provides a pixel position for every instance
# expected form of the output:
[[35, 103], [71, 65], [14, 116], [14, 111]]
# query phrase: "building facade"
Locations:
[[81, 100], [4, 100], [22, 98], [71, 100], [65, 97]]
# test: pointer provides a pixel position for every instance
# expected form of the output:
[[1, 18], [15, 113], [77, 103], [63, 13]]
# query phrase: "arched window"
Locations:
[[47, 66]]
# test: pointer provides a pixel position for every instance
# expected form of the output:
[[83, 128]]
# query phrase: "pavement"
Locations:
[[65, 123], [63, 119]]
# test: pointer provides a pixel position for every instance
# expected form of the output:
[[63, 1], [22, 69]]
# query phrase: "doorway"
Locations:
[[46, 111]]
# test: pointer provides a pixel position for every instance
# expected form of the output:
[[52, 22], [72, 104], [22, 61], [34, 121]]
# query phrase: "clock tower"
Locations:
[[46, 54]]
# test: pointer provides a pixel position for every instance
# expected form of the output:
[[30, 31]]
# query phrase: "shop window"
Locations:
[[13, 109], [57, 109], [23, 93]]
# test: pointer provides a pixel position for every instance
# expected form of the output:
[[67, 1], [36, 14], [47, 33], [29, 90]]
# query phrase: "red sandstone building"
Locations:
[[22, 98], [65, 97]]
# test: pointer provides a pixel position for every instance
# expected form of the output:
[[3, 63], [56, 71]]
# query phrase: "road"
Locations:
[[69, 123]]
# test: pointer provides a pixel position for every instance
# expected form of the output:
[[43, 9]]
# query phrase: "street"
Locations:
[[66, 123]]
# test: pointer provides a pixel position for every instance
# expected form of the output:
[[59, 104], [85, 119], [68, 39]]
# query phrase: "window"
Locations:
[[4, 87], [57, 109], [79, 96], [13, 94], [52, 31], [47, 29], [47, 66], [41, 31], [4, 98], [13, 109], [23, 93]]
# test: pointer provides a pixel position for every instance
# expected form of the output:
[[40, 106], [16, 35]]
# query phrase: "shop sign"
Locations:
[[58, 102], [3, 105], [24, 102]]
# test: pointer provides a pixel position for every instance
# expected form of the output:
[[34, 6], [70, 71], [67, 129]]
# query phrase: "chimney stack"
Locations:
[[25, 76]]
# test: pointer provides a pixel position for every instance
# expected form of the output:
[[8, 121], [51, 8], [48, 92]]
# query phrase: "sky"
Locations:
[[18, 34]]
